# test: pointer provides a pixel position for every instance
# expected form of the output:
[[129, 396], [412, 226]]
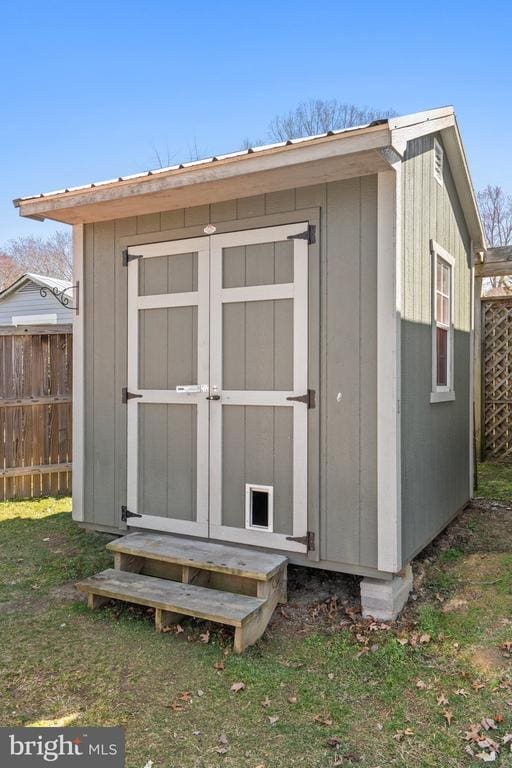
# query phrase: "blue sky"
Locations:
[[88, 90]]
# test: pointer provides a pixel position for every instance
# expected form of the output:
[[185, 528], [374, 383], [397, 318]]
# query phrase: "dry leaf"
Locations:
[[185, 696], [448, 716], [424, 639], [334, 742], [498, 718], [442, 701], [179, 629], [223, 739], [322, 720], [221, 750], [200, 692], [399, 735], [175, 707], [474, 733], [331, 675], [488, 723], [477, 685], [218, 665], [273, 719], [486, 757], [461, 692], [236, 687], [421, 685], [266, 702], [205, 637], [402, 640], [292, 699]]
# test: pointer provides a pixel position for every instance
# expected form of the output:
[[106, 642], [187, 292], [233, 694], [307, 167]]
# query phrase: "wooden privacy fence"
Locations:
[[35, 411], [497, 378]]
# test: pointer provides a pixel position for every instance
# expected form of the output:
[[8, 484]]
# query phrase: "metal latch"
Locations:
[[127, 257], [309, 234], [125, 395], [125, 514], [308, 540], [309, 398]]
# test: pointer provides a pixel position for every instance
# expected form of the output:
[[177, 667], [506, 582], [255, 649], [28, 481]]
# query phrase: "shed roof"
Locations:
[[43, 281], [297, 162]]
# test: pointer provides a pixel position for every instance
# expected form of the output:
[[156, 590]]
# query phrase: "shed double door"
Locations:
[[217, 378]]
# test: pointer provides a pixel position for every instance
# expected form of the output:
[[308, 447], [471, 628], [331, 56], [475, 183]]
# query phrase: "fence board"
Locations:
[[35, 411], [497, 378]]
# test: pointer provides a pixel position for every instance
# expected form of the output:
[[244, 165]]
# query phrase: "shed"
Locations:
[[23, 302], [273, 349]]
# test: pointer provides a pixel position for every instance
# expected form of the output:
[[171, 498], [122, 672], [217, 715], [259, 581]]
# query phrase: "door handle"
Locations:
[[191, 389], [213, 397]]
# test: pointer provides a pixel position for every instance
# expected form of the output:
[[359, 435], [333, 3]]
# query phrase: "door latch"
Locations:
[[213, 397], [125, 395]]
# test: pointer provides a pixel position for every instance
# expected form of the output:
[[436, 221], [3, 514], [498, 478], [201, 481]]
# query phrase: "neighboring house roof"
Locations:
[[43, 281], [354, 151]]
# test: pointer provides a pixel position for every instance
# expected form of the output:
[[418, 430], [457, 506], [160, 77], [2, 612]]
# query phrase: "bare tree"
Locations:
[[319, 116], [496, 212], [46, 256]]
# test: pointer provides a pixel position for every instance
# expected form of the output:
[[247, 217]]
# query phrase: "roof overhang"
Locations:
[[341, 154]]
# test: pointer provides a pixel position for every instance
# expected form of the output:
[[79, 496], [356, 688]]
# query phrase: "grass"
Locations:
[[495, 481], [62, 664]]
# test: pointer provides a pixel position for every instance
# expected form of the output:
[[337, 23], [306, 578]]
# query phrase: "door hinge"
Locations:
[[309, 235], [309, 398], [125, 514], [127, 257], [125, 395], [308, 540]]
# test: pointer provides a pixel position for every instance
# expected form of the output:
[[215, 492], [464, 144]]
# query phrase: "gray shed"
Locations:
[[273, 349], [21, 303]]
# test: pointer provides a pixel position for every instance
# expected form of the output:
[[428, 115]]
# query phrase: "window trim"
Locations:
[[438, 147], [442, 393]]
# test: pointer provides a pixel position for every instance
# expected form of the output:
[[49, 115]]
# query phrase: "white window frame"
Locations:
[[442, 393], [438, 147]]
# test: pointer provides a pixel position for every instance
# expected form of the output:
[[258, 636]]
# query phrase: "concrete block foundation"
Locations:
[[385, 599]]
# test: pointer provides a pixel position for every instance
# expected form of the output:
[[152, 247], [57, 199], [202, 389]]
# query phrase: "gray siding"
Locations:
[[28, 301], [435, 437], [342, 358]]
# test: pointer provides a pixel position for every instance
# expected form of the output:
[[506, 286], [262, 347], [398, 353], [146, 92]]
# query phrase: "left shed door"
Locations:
[[168, 368]]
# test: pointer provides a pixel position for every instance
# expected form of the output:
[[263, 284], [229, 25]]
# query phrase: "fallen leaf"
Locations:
[[421, 685], [219, 665], [266, 702], [292, 699], [273, 719], [488, 723], [179, 629], [507, 646], [200, 692], [334, 742], [442, 701], [322, 720], [175, 707], [221, 750], [474, 733], [223, 739], [331, 675], [477, 685], [205, 637], [424, 639], [486, 757], [402, 640], [448, 716], [498, 718], [236, 687], [185, 696], [461, 692], [399, 735]]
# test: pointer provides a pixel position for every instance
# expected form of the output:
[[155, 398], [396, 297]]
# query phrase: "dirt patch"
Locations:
[[64, 593], [488, 660]]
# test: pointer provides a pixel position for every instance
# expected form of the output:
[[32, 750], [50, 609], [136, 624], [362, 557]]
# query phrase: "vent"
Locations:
[[438, 161], [259, 507]]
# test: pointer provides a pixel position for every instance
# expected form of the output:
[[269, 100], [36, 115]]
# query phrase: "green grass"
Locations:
[[495, 481], [61, 663]]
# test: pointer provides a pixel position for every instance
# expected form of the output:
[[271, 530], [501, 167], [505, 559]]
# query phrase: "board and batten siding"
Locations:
[[342, 353], [435, 436], [28, 301]]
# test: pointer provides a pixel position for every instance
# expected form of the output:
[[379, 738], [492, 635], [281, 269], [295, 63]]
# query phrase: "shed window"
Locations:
[[442, 326]]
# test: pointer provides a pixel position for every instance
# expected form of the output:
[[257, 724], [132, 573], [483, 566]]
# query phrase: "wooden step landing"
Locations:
[[172, 600], [194, 553]]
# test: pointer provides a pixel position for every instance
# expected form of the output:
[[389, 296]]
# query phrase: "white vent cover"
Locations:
[[438, 161]]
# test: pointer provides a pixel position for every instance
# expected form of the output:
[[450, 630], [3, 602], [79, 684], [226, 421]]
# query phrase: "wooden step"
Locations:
[[172, 600], [204, 555]]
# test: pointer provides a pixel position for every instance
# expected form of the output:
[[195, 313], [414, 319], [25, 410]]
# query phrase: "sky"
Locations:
[[94, 90]]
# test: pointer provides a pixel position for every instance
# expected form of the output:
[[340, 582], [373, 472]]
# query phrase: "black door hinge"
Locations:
[[125, 395], [309, 235], [127, 257], [309, 398], [308, 540], [125, 514]]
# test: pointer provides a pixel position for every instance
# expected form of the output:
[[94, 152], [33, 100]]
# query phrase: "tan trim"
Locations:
[[78, 377]]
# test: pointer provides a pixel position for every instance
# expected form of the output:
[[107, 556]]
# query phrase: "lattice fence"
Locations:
[[497, 378]]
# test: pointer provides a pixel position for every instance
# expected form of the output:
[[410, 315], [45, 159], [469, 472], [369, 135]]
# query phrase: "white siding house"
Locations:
[[22, 303]]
